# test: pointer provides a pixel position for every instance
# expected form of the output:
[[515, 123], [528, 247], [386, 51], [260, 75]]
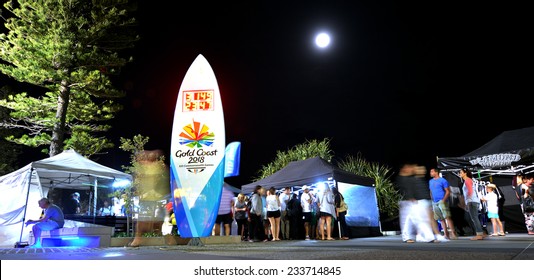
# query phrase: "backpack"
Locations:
[[293, 207]]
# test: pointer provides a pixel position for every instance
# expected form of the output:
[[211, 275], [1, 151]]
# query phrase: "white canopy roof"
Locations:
[[71, 170]]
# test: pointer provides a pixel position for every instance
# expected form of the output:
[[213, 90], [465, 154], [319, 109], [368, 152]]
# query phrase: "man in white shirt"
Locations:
[[285, 196], [306, 200]]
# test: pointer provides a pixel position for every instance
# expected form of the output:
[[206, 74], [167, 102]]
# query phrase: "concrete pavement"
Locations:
[[509, 247]]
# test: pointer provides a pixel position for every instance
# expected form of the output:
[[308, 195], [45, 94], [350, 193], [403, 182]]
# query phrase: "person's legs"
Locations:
[[328, 221], [216, 229], [295, 228], [313, 222], [38, 228], [37, 235], [494, 226], [473, 215], [321, 227], [283, 224], [344, 227], [267, 229], [240, 228], [251, 229], [276, 229], [288, 228], [431, 222], [141, 227], [227, 229], [307, 224], [501, 228], [259, 230], [272, 226], [406, 221], [246, 232], [423, 219], [446, 214], [444, 227], [451, 228]]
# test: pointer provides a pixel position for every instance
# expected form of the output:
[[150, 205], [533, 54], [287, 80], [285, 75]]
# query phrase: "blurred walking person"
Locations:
[[152, 184], [413, 207]]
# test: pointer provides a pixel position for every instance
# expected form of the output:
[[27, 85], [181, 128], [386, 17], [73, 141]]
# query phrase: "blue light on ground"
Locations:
[[72, 241]]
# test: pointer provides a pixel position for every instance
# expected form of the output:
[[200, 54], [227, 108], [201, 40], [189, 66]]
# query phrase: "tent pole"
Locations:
[[26, 207], [94, 199]]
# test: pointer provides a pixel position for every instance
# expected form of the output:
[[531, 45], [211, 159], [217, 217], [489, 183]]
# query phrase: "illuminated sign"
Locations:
[[197, 100], [197, 163]]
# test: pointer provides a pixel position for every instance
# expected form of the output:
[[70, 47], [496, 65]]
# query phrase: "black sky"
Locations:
[[401, 80]]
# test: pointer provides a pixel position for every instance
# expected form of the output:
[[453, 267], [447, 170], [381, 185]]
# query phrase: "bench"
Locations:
[[120, 223], [78, 234]]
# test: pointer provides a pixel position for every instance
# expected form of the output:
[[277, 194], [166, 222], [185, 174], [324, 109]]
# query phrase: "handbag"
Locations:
[[342, 206], [528, 204]]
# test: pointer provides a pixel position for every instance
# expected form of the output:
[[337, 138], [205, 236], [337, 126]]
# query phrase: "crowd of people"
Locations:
[[274, 215], [424, 210], [424, 206]]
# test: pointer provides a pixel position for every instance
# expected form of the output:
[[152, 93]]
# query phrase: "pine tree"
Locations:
[[8, 150], [69, 51]]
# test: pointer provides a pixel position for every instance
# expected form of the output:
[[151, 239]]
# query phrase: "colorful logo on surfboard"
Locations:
[[197, 137]]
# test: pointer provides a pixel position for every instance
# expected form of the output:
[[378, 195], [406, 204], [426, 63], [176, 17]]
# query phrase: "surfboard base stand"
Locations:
[[21, 244], [195, 241]]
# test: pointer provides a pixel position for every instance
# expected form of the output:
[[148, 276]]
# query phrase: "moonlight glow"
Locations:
[[322, 40]]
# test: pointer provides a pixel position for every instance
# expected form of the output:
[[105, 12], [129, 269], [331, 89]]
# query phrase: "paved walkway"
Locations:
[[348, 259], [510, 247]]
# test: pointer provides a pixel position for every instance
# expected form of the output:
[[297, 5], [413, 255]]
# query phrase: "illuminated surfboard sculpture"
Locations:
[[197, 151]]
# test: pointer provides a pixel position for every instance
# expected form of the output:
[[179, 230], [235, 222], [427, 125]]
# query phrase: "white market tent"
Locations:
[[21, 189]]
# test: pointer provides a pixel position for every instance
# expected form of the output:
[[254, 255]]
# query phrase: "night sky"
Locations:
[[400, 80]]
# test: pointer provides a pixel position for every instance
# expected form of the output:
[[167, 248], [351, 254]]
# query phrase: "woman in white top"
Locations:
[[327, 210], [273, 213]]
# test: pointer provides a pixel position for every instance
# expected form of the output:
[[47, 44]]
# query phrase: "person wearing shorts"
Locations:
[[225, 214], [305, 201], [440, 191], [273, 213]]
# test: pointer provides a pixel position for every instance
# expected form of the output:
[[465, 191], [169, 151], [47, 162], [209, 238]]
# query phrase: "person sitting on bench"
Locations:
[[53, 218]]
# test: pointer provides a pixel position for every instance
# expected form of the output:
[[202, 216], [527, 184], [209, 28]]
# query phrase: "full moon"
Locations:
[[322, 40]]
